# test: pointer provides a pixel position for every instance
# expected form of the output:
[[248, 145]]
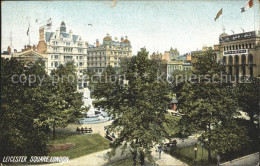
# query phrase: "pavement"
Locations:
[[249, 160], [100, 158]]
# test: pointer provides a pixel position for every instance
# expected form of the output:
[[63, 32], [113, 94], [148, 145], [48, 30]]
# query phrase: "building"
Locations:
[[181, 64], [110, 52], [240, 53], [27, 56], [7, 54], [61, 47], [215, 53]]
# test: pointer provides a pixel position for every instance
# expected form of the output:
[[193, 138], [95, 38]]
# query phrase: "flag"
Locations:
[[28, 31], [248, 5], [219, 13]]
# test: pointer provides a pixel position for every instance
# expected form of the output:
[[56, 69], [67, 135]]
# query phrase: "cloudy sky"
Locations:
[[157, 25]]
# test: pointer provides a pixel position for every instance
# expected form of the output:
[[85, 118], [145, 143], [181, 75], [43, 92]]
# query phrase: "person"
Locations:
[[160, 151], [78, 130], [218, 160], [113, 135], [82, 129]]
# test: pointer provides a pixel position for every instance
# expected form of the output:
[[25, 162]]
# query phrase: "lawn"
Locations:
[[84, 144]]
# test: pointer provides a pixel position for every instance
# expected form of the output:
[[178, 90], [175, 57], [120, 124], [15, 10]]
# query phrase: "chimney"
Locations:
[[58, 33], [29, 47], [122, 39], [9, 50], [15, 50], [34, 48], [86, 43], [71, 33], [97, 43]]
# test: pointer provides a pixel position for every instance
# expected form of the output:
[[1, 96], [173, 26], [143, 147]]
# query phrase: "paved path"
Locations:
[[101, 158], [166, 160], [249, 160]]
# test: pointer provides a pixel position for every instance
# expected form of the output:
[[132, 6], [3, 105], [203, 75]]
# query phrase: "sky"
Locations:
[[155, 25]]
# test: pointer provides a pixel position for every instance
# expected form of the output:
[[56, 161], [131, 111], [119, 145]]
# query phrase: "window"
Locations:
[[56, 64]]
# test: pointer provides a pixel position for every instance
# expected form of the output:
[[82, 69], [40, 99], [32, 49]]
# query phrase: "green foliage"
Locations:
[[247, 94], [64, 102], [138, 107], [210, 106], [28, 109], [20, 107]]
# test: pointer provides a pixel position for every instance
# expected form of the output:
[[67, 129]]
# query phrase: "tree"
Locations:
[[137, 105], [209, 105], [20, 132], [247, 94], [64, 101]]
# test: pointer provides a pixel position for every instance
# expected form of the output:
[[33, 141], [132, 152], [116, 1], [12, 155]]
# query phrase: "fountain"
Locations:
[[93, 115]]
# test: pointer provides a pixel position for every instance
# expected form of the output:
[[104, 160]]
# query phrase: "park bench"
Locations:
[[86, 130]]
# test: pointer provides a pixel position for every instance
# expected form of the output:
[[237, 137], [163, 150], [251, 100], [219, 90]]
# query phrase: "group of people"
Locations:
[[87, 130]]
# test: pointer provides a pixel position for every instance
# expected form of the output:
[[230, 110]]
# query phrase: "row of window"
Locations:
[[102, 65], [236, 59], [111, 52], [242, 70], [240, 46]]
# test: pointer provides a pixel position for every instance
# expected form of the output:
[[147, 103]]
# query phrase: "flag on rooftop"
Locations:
[[218, 14], [248, 5]]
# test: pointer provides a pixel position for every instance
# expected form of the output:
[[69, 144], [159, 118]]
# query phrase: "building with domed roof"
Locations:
[[61, 47], [110, 52]]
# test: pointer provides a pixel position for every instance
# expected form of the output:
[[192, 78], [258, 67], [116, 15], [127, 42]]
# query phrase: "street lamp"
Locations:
[[195, 150], [202, 144]]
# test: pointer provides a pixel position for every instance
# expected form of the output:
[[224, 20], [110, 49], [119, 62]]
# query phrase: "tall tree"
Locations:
[[137, 105], [65, 102], [209, 105], [247, 93], [20, 109]]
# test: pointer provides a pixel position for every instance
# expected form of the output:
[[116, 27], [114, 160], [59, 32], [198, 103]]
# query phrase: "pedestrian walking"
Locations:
[[160, 151], [218, 160]]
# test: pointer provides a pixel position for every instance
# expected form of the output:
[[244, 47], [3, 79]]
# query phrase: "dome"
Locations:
[[62, 27], [107, 38], [126, 41], [223, 35], [63, 23]]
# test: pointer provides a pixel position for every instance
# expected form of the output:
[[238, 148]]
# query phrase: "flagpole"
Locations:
[[254, 17], [29, 35], [222, 22]]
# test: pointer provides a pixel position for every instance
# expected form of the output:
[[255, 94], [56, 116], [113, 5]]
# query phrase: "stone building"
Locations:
[[182, 63], [215, 53], [27, 56], [240, 53], [61, 47], [110, 52]]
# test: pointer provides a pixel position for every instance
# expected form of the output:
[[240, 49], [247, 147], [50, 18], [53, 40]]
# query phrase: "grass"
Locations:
[[84, 144]]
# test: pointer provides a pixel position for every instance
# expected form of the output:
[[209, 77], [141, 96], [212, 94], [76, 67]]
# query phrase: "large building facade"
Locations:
[[241, 53], [61, 47], [110, 52]]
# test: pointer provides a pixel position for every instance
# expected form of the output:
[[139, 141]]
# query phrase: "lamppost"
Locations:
[[202, 144], [195, 151]]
